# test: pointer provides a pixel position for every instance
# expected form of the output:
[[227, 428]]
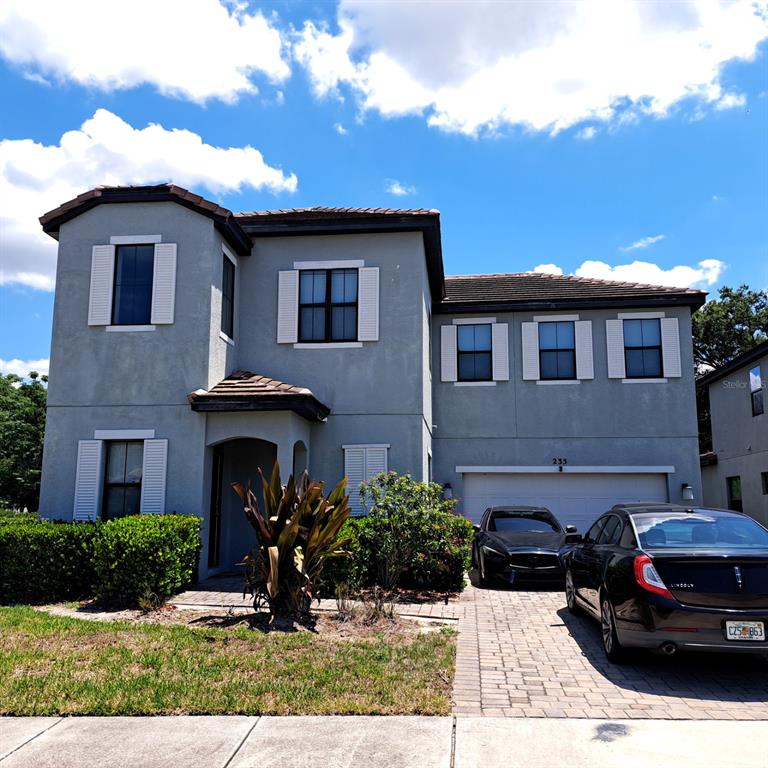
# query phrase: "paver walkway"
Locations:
[[521, 653]]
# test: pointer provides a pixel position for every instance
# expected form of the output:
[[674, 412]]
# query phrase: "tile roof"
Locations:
[[243, 390], [320, 212], [539, 288]]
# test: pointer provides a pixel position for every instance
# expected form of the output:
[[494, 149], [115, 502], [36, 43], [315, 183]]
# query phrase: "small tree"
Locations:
[[297, 532]]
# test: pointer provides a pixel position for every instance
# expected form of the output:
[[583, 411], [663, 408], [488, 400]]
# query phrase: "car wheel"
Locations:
[[614, 651], [482, 576], [570, 593]]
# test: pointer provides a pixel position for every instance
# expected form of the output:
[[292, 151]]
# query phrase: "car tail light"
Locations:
[[648, 577]]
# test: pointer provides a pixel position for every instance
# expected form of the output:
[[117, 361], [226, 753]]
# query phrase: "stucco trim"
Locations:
[[644, 381], [223, 336], [123, 434], [539, 470], [474, 383], [229, 254], [640, 315], [329, 345], [555, 318], [337, 264], [128, 328], [556, 382], [135, 239], [473, 320], [366, 445]]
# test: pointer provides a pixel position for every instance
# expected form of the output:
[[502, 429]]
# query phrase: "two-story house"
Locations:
[[735, 473], [192, 345]]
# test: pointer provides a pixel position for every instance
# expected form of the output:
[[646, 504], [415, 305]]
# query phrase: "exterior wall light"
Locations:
[[687, 492]]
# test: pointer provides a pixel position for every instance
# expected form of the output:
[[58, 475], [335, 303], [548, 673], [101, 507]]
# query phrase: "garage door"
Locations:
[[575, 499]]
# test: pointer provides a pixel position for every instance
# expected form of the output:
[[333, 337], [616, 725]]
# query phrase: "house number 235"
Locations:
[[559, 462]]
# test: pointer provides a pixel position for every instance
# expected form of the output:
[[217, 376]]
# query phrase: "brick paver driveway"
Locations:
[[522, 654]]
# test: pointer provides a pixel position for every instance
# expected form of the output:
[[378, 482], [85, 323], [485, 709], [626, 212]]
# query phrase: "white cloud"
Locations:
[[587, 133], [395, 187], [705, 273], [193, 50], [548, 269], [475, 67], [24, 367], [35, 178], [340, 129], [643, 242]]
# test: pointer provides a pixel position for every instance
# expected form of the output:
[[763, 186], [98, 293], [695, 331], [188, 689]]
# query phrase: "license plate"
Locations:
[[745, 630]]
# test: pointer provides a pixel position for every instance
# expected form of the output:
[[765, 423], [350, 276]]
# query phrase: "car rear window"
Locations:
[[506, 522], [700, 531]]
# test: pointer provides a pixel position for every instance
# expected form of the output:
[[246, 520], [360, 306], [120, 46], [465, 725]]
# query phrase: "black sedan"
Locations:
[[519, 544], [665, 577]]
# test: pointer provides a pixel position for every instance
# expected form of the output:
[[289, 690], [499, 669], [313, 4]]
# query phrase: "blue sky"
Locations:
[[624, 141]]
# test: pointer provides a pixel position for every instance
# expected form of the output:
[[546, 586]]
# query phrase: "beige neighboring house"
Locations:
[[735, 473]]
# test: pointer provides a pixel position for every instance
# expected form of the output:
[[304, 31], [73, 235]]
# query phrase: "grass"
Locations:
[[51, 665]]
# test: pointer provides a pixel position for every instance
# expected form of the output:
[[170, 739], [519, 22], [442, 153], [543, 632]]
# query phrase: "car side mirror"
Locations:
[[476, 527], [570, 529]]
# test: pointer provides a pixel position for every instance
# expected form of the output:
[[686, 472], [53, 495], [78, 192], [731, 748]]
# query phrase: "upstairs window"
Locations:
[[642, 349], [122, 479], [756, 391], [474, 352], [228, 298], [557, 350], [328, 305], [134, 268]]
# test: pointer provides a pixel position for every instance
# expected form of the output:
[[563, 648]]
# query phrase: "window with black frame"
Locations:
[[132, 300], [474, 352], [557, 350], [642, 349], [122, 479], [756, 391], [228, 298], [328, 305], [733, 488]]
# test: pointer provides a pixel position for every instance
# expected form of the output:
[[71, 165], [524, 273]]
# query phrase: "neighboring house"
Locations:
[[192, 345], [735, 473]]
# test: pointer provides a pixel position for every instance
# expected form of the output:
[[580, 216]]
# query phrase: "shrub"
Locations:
[[45, 562], [144, 559]]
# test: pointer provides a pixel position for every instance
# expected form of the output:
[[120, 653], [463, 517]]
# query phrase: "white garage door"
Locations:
[[575, 499]]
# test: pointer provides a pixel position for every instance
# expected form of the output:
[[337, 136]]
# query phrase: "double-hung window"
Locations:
[[557, 350], [228, 298], [642, 349], [756, 391], [122, 479], [328, 305], [474, 347], [132, 301]]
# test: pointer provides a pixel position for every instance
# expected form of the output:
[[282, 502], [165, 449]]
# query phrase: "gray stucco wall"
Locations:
[[593, 423], [740, 441]]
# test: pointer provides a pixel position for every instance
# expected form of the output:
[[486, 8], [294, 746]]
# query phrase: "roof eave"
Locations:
[[307, 406], [738, 362]]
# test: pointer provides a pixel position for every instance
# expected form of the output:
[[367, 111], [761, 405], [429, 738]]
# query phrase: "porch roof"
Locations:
[[246, 391]]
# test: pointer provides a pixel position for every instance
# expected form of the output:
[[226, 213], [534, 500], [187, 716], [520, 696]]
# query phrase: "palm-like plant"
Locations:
[[297, 531]]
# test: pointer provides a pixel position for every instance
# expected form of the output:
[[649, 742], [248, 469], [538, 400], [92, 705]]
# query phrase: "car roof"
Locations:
[[520, 508], [637, 509]]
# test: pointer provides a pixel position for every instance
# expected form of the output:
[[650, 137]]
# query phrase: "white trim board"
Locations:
[[366, 445], [128, 328], [223, 336], [135, 239], [555, 318], [328, 345], [640, 315], [547, 469], [473, 320], [557, 382], [644, 381], [228, 253], [123, 434], [474, 383], [338, 264]]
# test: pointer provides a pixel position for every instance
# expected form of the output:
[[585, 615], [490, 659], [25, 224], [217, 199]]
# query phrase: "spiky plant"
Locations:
[[297, 531]]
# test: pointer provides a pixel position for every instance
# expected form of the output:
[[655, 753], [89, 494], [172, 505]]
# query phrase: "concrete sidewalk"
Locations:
[[376, 742]]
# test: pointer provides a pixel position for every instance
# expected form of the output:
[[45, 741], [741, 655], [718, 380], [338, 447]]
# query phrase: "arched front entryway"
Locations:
[[230, 534]]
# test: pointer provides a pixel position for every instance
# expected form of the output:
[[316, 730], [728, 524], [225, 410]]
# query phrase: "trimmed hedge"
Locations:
[[144, 559], [43, 562], [138, 560]]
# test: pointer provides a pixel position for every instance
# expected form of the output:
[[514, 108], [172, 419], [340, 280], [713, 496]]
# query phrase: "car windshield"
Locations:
[[510, 522], [700, 531]]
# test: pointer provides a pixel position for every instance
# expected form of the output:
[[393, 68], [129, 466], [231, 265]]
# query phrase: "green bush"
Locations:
[[144, 559], [42, 562], [411, 538]]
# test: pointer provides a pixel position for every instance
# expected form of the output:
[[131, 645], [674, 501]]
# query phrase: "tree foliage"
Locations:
[[22, 426]]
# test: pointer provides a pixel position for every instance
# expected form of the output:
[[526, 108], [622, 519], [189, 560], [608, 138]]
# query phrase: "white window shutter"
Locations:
[[585, 367], [448, 355], [614, 343], [102, 277], [153, 477], [368, 304], [530, 337], [164, 284], [288, 307], [670, 347], [500, 353], [375, 461], [88, 480], [354, 470]]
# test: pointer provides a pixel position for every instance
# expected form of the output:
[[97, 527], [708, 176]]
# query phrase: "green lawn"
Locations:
[[53, 665]]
